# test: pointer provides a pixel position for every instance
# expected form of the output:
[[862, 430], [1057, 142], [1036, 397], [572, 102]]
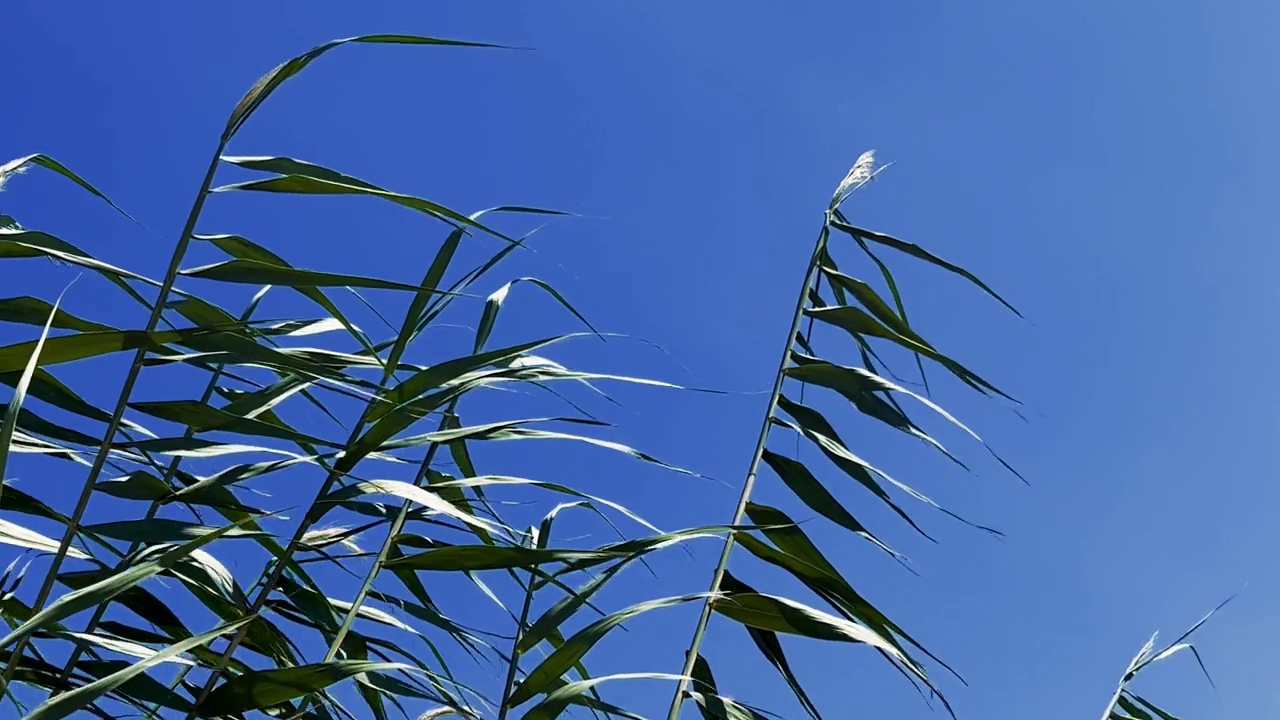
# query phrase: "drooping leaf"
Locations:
[[14, 534], [408, 491], [859, 385], [779, 614], [494, 304], [262, 689], [27, 310], [201, 417], [493, 557], [578, 693], [80, 346], [576, 647], [138, 485], [18, 242], [858, 323], [160, 530], [920, 253], [270, 82], [48, 163], [140, 688], [713, 706], [257, 272], [66, 703], [814, 427], [245, 249], [771, 648], [797, 477], [111, 586]]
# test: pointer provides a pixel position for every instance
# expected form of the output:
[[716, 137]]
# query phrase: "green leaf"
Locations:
[[710, 704], [310, 185], [871, 300], [48, 163], [201, 417], [441, 374], [111, 586], [577, 693], [779, 614], [715, 707], [494, 303], [512, 430], [33, 424], [68, 348], [420, 312], [10, 422], [444, 485], [47, 388], [1162, 714], [116, 644], [540, 679], [501, 557], [859, 385], [800, 556], [137, 599], [813, 426], [13, 534], [21, 243], [256, 272], [138, 485], [858, 323], [771, 648], [414, 494], [161, 530], [262, 689], [1133, 709], [493, 557], [245, 249], [889, 280], [67, 703], [550, 621], [815, 495], [16, 500], [920, 253], [140, 688], [268, 83], [27, 310]]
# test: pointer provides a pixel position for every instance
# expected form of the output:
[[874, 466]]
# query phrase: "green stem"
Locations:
[[152, 510], [1111, 706], [131, 379], [748, 484], [277, 568], [396, 526], [1124, 681], [513, 666]]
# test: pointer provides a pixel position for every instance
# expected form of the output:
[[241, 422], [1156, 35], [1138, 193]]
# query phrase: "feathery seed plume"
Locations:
[[863, 169]]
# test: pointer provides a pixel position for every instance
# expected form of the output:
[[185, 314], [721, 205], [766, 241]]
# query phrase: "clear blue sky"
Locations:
[[1107, 166]]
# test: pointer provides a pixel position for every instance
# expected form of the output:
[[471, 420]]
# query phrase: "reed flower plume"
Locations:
[[7, 174], [864, 168]]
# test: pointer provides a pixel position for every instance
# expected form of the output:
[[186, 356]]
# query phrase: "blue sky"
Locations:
[[1108, 167]]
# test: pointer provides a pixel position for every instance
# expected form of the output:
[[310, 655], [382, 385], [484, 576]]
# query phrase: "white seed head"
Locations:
[[6, 174], [863, 169]]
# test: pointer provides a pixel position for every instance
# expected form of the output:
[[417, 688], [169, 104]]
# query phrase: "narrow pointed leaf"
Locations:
[[109, 587], [67, 703], [263, 689], [48, 163], [10, 421], [920, 253]]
